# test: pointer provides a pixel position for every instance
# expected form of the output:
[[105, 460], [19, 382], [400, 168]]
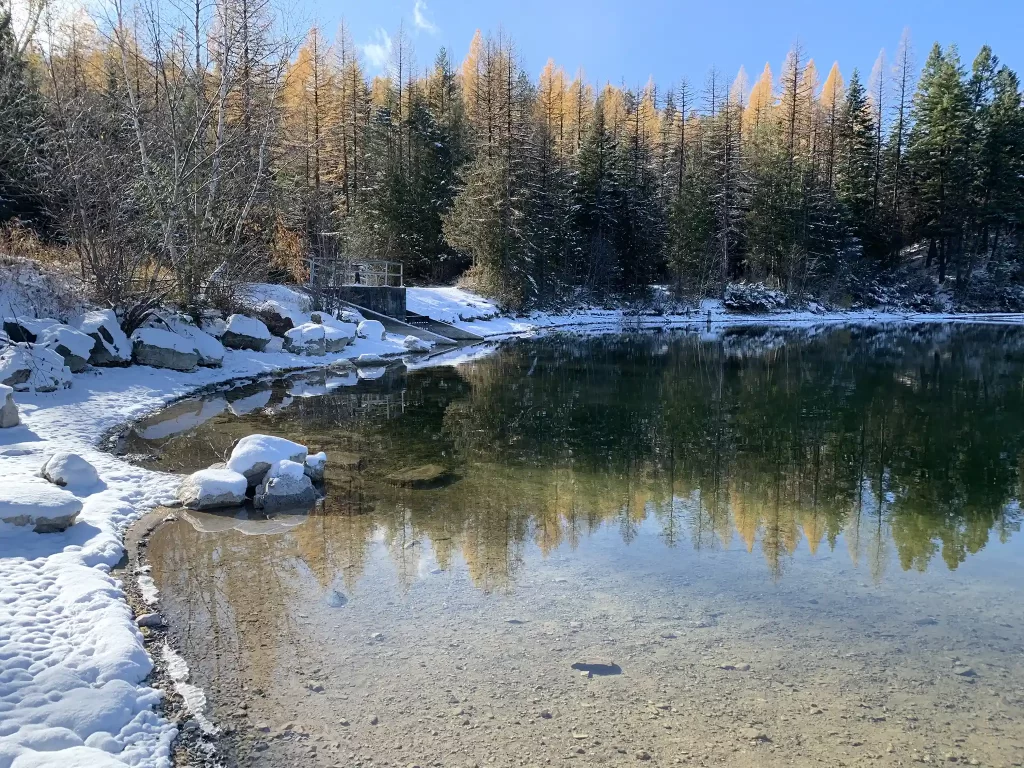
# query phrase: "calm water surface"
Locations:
[[837, 510]]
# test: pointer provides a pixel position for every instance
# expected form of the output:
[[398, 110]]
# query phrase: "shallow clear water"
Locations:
[[836, 510]]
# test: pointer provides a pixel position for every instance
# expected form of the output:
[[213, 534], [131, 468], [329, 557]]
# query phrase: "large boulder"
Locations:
[[209, 349], [110, 345], [163, 349], [70, 343], [30, 501], [753, 298], [213, 488], [306, 339], [243, 332], [253, 455], [32, 367], [371, 329], [286, 486], [9, 410], [69, 470]]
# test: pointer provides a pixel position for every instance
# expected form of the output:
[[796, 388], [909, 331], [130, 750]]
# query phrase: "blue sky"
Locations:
[[630, 40]]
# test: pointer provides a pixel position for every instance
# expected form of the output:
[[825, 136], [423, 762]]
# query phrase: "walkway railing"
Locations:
[[334, 272]]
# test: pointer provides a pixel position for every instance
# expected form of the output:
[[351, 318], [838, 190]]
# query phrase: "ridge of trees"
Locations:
[[171, 144]]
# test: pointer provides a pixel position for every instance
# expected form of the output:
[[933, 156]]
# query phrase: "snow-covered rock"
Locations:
[[209, 349], [286, 486], [371, 329], [338, 334], [213, 488], [110, 345], [352, 316], [9, 410], [315, 465], [337, 338], [243, 332], [69, 470], [163, 349], [369, 359], [253, 455], [416, 344], [32, 501], [28, 367], [70, 343], [276, 344], [306, 339]]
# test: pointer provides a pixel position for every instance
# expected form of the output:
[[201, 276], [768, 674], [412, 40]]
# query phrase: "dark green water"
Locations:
[[898, 448]]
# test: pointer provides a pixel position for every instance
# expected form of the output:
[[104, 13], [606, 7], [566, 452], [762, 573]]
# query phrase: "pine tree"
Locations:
[[21, 126], [938, 156]]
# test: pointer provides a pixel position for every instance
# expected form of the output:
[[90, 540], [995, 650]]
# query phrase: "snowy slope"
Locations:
[[72, 661]]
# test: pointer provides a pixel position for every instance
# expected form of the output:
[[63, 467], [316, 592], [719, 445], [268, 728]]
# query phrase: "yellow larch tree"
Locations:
[[760, 102], [833, 93]]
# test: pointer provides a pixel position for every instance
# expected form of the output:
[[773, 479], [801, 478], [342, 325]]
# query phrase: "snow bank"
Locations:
[[34, 502], [449, 305]]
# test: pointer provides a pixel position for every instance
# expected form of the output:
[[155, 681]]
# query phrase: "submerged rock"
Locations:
[[426, 476], [254, 455], [34, 502], [213, 488], [71, 470]]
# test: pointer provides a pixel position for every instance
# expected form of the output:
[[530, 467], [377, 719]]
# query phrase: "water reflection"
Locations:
[[898, 445]]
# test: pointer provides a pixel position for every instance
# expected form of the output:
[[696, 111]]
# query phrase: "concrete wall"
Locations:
[[386, 300]]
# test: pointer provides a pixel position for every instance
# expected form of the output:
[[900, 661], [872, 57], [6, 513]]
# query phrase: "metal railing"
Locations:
[[334, 272]]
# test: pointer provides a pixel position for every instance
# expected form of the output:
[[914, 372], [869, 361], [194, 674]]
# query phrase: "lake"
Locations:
[[757, 547]]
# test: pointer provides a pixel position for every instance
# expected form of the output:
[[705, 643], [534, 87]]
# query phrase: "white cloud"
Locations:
[[378, 51], [419, 17]]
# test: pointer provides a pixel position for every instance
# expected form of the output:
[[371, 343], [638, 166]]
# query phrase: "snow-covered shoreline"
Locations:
[[72, 661]]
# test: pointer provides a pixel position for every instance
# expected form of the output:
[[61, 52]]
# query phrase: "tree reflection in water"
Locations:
[[898, 444]]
